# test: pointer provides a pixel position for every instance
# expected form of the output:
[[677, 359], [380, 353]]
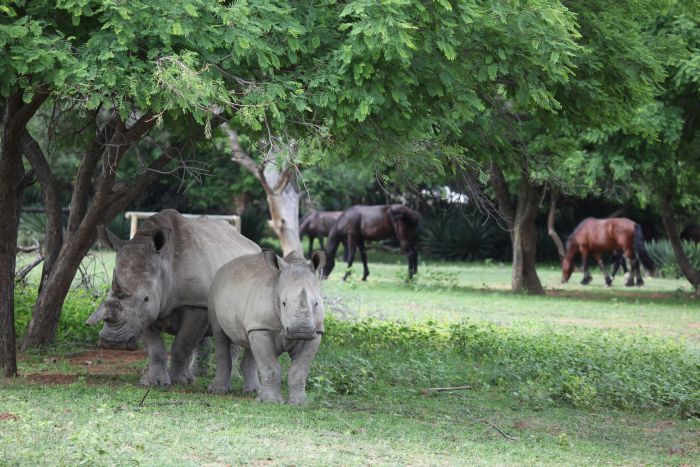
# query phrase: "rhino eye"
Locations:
[[145, 299], [284, 303]]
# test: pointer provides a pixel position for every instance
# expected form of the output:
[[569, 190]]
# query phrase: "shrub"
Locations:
[[662, 254], [584, 368], [71, 328], [453, 234]]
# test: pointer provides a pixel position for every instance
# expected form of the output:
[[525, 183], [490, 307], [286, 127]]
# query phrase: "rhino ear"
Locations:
[[271, 259], [97, 316], [318, 260], [109, 239], [159, 239]]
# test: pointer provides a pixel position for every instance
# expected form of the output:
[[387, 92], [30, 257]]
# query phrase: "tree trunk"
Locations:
[[523, 232], [15, 116], [687, 269], [525, 277], [10, 171], [284, 212], [550, 225], [282, 197]]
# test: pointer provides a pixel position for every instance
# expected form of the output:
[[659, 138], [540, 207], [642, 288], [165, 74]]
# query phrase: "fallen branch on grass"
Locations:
[[451, 388], [494, 427], [176, 402]]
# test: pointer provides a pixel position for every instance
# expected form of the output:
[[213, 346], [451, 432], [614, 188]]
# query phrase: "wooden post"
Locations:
[[134, 224]]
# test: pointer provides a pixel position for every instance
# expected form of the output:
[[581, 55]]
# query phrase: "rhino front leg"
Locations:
[[262, 344], [193, 326], [302, 354], [250, 373], [223, 350], [157, 374]]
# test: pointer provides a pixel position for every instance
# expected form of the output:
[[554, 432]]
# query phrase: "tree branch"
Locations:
[[83, 178], [550, 224], [52, 201], [500, 186], [122, 197], [283, 181], [25, 112], [242, 158]]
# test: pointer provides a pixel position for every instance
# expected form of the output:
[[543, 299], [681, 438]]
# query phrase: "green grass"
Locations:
[[582, 376]]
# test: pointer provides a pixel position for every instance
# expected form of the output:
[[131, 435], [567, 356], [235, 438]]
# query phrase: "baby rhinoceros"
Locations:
[[270, 306]]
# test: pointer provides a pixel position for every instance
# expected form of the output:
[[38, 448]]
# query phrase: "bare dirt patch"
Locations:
[[618, 294], [109, 362], [51, 378]]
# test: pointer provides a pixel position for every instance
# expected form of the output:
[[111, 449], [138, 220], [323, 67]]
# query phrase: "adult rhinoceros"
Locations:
[[269, 306], [160, 283]]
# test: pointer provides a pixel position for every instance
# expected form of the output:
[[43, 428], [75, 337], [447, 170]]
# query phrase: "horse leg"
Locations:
[[599, 260], [638, 271], [320, 240], [363, 255], [351, 256], [586, 275], [630, 259], [622, 263], [311, 243], [616, 264], [346, 250]]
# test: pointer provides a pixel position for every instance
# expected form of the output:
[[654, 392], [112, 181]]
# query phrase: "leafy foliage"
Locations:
[[662, 254], [584, 368], [71, 329]]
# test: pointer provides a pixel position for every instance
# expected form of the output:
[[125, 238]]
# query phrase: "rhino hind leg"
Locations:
[[193, 326], [250, 373], [156, 374]]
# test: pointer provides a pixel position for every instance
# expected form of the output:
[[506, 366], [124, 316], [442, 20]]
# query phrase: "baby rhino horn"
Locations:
[[303, 301]]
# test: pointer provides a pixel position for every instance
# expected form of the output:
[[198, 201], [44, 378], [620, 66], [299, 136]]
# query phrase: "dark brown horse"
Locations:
[[598, 236], [691, 233], [360, 223], [317, 224]]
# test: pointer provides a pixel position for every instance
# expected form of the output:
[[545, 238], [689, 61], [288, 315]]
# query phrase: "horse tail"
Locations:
[[642, 251]]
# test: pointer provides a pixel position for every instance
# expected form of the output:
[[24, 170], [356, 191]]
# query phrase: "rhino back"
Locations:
[[242, 297], [200, 247]]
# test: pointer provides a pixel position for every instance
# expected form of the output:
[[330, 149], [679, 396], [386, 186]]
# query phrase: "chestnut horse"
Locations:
[[360, 223], [317, 224], [596, 236]]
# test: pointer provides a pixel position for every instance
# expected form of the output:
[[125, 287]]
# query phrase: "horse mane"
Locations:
[[304, 222], [405, 213]]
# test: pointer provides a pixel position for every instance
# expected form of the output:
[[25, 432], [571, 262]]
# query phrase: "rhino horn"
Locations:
[[97, 316], [112, 313], [303, 299], [118, 288]]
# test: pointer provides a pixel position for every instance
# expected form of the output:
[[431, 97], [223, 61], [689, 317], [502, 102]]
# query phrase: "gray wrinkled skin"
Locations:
[[269, 306], [161, 280]]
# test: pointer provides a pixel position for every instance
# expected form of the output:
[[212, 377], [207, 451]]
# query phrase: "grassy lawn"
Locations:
[[581, 376]]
